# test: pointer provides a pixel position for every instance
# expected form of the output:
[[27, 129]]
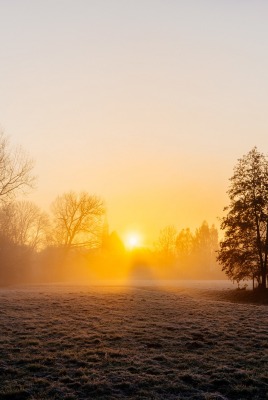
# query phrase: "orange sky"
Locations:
[[147, 103]]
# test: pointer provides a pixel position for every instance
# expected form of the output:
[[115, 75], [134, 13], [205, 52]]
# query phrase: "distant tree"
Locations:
[[24, 224], [184, 244], [166, 243], [244, 250], [15, 171], [113, 244], [78, 221], [23, 229], [205, 245]]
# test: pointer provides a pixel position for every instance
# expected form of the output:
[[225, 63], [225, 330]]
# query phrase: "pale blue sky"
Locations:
[[146, 103]]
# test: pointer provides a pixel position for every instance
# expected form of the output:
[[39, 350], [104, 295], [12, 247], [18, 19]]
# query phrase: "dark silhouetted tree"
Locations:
[[78, 221], [244, 249]]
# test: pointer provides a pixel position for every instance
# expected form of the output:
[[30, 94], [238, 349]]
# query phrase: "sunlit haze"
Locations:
[[145, 103], [133, 240]]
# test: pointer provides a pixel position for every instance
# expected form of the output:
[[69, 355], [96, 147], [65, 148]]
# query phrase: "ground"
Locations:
[[139, 342]]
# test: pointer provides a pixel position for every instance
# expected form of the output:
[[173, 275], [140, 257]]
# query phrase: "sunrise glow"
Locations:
[[132, 240]]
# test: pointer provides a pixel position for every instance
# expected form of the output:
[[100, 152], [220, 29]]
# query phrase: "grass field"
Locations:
[[79, 342]]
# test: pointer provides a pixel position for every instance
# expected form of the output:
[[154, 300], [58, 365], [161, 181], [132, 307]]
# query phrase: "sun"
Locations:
[[133, 240]]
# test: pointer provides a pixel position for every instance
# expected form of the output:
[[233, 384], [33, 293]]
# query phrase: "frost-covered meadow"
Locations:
[[135, 342]]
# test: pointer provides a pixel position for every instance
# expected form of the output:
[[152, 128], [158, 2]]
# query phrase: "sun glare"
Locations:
[[133, 240]]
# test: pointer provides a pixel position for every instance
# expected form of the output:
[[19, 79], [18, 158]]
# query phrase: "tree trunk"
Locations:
[[263, 279], [264, 265], [259, 248]]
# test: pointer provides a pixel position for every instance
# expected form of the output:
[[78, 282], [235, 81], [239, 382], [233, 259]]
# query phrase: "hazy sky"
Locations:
[[146, 103]]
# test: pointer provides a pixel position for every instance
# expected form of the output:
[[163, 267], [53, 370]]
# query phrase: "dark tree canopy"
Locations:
[[244, 249]]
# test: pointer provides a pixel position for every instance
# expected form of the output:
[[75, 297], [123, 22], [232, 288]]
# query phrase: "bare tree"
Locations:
[[24, 224], [184, 244], [166, 243], [15, 171], [23, 228], [78, 220], [205, 246]]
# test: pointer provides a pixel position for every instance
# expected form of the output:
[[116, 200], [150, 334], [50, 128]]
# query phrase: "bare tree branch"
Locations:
[[15, 171]]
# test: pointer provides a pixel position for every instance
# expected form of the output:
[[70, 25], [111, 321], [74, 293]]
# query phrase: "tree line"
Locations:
[[31, 241], [75, 235], [192, 254], [74, 238]]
